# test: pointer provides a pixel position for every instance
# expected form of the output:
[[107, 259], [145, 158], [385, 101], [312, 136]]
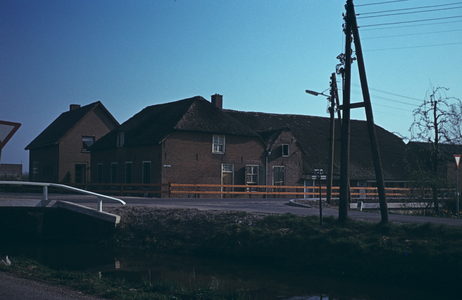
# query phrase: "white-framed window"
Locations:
[[120, 139], [285, 150], [218, 144], [87, 141], [128, 172], [146, 176], [251, 172]]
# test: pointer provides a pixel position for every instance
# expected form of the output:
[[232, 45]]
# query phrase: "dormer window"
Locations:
[[120, 139], [218, 144]]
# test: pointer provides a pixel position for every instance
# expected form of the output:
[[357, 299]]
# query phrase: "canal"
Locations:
[[259, 281]]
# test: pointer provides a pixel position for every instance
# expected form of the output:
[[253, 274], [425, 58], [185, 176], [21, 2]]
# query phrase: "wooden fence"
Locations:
[[172, 190]]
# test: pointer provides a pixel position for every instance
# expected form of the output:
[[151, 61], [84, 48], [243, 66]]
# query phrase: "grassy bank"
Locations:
[[410, 254], [92, 284], [420, 256]]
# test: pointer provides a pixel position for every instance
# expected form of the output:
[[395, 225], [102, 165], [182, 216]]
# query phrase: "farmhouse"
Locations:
[[197, 141]]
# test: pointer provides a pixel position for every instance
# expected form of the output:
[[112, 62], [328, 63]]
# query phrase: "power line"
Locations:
[[387, 99], [412, 8], [378, 3], [393, 94], [408, 13], [409, 34], [413, 25], [413, 21], [413, 47], [392, 107]]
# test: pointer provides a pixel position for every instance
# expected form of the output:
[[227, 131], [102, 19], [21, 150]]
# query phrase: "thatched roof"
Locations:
[[423, 151], [154, 123], [312, 135]]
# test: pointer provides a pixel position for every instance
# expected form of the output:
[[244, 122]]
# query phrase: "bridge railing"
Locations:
[[45, 185]]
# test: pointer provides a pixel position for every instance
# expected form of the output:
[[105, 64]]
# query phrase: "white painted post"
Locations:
[[457, 161], [45, 195], [100, 204]]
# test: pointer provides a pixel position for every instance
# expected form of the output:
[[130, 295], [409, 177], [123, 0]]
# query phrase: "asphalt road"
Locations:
[[269, 205]]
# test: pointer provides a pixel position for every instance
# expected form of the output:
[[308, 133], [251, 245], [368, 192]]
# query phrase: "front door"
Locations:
[[80, 173], [227, 178]]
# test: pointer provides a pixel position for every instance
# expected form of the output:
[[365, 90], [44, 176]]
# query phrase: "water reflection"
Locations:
[[260, 282]]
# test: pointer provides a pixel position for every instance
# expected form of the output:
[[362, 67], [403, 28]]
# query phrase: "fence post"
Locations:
[[169, 189], [99, 204], [44, 196]]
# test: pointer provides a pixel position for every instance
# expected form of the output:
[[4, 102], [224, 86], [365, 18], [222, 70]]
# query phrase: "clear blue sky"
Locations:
[[260, 55]]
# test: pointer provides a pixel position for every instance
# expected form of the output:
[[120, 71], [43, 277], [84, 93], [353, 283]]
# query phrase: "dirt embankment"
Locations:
[[175, 229]]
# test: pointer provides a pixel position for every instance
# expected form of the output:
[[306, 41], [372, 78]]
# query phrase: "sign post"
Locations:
[[7, 129], [319, 175], [457, 160]]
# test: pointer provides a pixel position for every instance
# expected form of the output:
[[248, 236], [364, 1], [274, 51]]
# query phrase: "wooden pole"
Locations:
[[345, 146]]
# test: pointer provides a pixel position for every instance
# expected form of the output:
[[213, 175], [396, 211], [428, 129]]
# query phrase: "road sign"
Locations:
[[457, 160], [7, 129], [316, 177]]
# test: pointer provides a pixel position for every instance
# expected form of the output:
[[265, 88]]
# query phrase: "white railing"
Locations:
[[45, 186]]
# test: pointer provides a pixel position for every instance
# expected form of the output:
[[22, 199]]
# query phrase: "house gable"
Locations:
[[68, 120], [59, 154]]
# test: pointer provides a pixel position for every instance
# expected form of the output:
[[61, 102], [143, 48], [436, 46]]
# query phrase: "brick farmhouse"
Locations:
[[197, 141]]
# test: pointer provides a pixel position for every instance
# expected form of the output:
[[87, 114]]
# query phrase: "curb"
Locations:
[[293, 203]]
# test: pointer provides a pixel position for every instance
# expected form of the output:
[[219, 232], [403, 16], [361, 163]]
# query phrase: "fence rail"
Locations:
[[170, 190], [46, 185], [223, 190]]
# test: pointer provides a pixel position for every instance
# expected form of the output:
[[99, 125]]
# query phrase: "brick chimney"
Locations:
[[217, 100], [74, 106]]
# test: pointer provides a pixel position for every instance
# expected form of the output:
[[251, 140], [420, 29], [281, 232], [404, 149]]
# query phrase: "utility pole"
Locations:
[[351, 28], [333, 100], [344, 198]]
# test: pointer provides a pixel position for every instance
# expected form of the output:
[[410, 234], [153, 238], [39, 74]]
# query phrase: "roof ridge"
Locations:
[[64, 123]]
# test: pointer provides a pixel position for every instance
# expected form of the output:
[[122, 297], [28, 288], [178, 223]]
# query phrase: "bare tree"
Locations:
[[437, 121]]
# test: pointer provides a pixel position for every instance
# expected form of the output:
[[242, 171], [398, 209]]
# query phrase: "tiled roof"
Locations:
[[59, 127]]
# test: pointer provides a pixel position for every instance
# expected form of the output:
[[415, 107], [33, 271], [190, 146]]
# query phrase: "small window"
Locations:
[[146, 172], [227, 168], [251, 174], [285, 150], [99, 173], [218, 144], [114, 172], [87, 141], [120, 139], [129, 172]]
